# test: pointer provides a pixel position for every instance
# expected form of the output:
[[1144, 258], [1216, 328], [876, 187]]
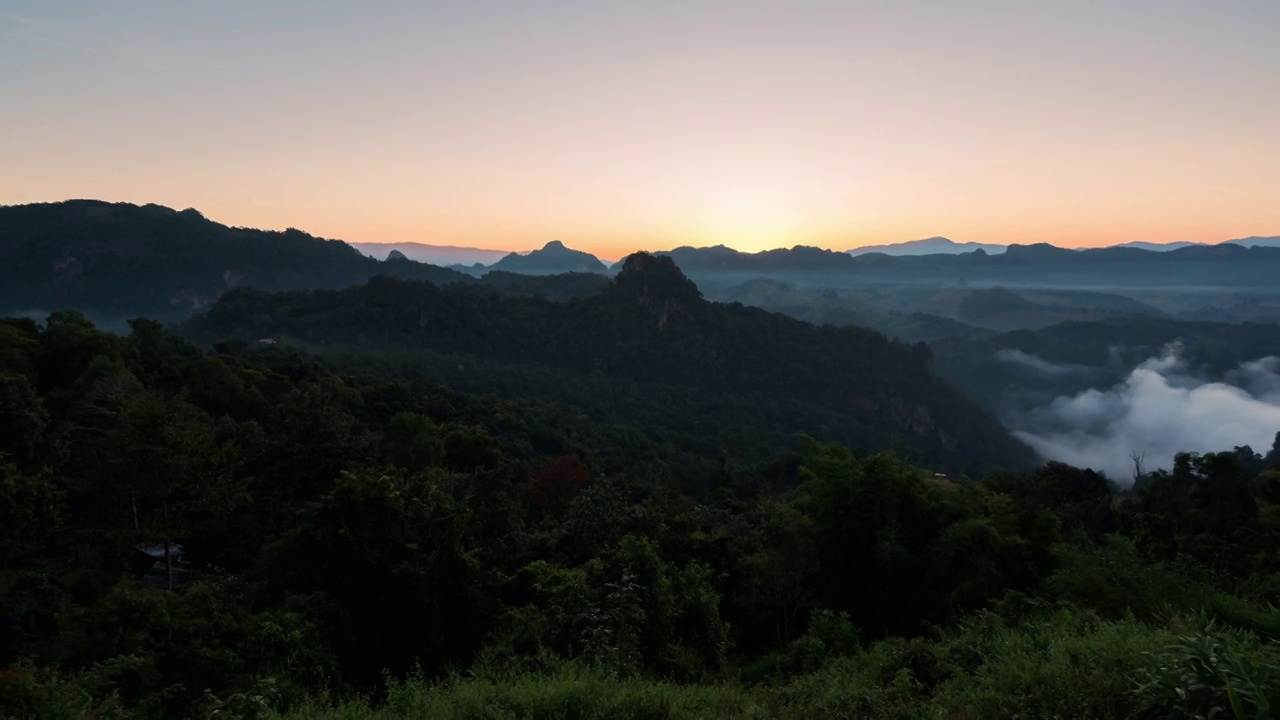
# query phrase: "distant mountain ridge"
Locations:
[[1254, 241], [1159, 247], [946, 246], [443, 255], [467, 259], [928, 246], [122, 260], [1226, 265]]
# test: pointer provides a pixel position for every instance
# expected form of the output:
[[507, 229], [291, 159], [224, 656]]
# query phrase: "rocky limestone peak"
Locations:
[[654, 278]]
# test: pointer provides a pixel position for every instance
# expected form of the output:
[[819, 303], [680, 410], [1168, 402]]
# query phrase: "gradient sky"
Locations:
[[618, 126]]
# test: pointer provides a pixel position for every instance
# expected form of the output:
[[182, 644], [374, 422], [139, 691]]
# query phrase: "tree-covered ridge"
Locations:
[[340, 525], [652, 326], [122, 260]]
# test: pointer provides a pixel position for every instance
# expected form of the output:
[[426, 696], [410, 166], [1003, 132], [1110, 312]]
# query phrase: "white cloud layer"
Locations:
[[1160, 409]]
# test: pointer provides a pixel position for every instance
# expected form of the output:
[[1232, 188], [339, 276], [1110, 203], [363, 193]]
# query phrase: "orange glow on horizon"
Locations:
[[732, 228], [753, 125]]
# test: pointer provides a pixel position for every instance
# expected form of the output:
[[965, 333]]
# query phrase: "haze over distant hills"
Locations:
[[1158, 247], [553, 257], [1255, 241], [550, 259], [946, 246], [443, 255], [1199, 267], [928, 246]]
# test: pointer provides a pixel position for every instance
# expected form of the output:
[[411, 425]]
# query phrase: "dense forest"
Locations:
[[253, 531], [649, 344]]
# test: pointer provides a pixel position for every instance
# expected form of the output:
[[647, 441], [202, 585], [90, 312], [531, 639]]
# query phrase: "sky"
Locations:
[[617, 126]]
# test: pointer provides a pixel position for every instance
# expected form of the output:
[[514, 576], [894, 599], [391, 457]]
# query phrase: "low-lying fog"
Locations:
[[1160, 409]]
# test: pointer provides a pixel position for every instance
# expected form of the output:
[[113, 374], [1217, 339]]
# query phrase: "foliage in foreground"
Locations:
[[519, 560], [1065, 665]]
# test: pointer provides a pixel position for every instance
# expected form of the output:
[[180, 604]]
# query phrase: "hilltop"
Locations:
[[118, 260]]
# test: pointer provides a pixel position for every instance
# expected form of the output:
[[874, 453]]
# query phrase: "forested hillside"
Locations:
[[350, 544], [652, 331], [119, 261]]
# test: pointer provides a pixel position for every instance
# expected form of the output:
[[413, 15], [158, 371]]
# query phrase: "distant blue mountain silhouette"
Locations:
[[552, 259], [928, 246]]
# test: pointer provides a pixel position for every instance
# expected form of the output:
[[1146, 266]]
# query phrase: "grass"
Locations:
[[1065, 666]]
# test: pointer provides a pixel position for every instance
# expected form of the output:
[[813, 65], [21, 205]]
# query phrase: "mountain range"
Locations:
[[469, 258], [443, 255], [652, 324], [946, 246], [448, 255], [555, 257], [120, 260]]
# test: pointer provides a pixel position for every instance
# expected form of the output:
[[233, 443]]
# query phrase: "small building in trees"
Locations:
[[151, 563]]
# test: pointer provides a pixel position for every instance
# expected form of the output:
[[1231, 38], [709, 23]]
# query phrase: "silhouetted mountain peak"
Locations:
[[1036, 251], [396, 255], [654, 278], [553, 258]]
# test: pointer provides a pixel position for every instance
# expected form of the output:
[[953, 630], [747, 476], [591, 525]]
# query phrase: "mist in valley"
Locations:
[[1163, 406]]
